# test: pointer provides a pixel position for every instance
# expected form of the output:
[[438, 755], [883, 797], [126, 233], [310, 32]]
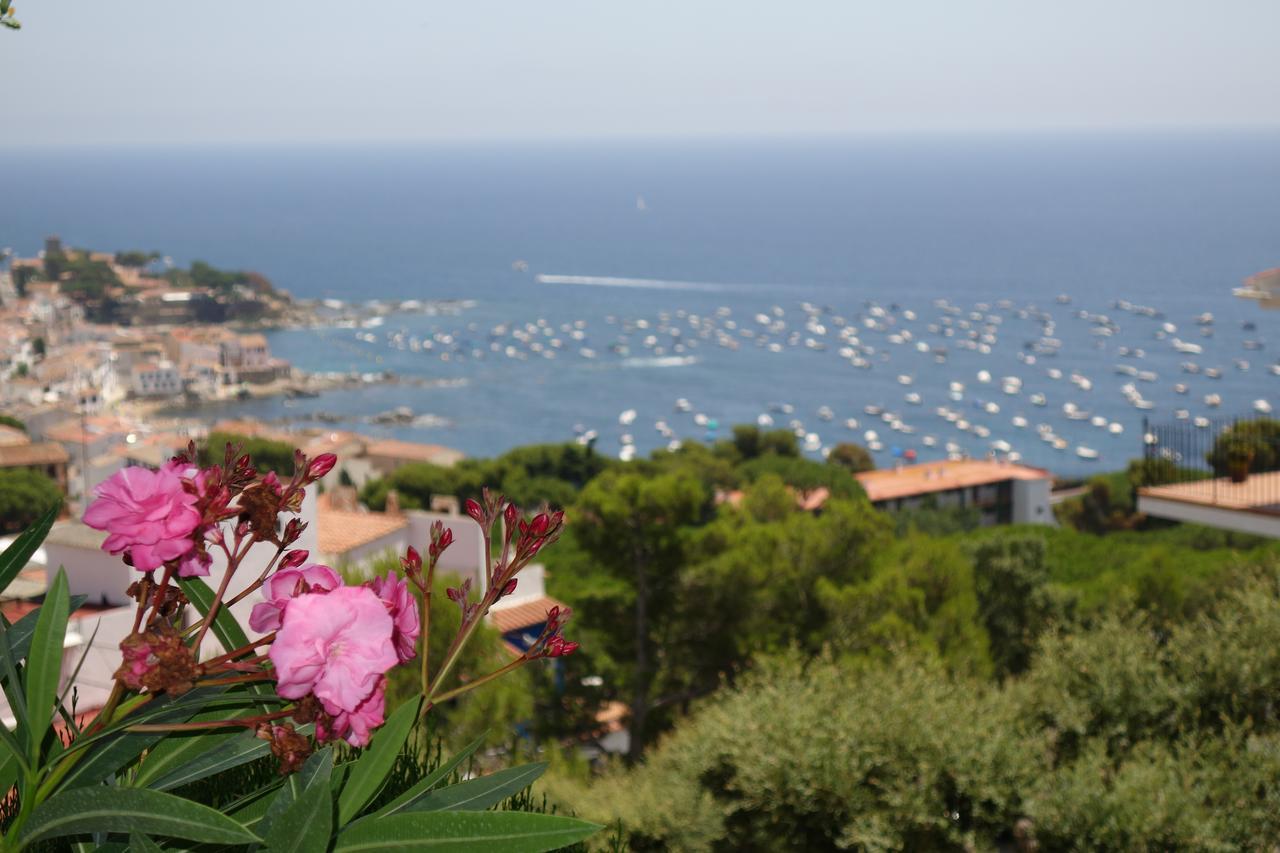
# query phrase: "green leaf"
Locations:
[[111, 749], [490, 832], [223, 755], [482, 793], [15, 557], [225, 627], [432, 779], [140, 843], [318, 768], [101, 809], [44, 663], [370, 770], [20, 632], [16, 696], [307, 823]]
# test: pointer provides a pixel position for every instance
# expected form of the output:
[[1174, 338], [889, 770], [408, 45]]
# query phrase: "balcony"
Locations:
[[1208, 474]]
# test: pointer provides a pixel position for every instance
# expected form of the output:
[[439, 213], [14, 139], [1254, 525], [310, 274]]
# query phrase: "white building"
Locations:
[[156, 379], [1003, 493]]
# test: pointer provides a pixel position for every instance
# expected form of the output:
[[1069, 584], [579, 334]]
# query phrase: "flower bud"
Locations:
[[511, 515], [321, 465], [411, 562], [474, 510], [293, 530], [509, 588], [296, 558]]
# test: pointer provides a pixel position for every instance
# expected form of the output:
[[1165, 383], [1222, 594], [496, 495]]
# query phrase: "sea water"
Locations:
[[625, 243]]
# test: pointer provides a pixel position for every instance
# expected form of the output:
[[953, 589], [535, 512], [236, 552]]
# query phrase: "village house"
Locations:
[[1001, 492]]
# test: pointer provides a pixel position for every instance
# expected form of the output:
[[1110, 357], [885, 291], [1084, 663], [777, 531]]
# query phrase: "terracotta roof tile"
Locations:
[[338, 531], [21, 455], [523, 614], [911, 480]]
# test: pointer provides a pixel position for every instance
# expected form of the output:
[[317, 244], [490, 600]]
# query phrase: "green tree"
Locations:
[[267, 455], [1259, 438], [24, 496], [1011, 579], [852, 457], [631, 526]]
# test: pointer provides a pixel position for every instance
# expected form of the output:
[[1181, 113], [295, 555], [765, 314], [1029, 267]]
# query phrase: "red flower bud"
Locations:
[[474, 510], [446, 539], [510, 515], [293, 559], [293, 530], [509, 588], [540, 522], [321, 465], [412, 560]]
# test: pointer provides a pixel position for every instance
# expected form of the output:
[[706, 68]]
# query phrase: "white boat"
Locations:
[[1086, 452], [1262, 407]]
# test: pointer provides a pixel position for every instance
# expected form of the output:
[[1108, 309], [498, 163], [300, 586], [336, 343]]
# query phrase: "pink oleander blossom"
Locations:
[[149, 515], [286, 584], [403, 608], [355, 726], [336, 645]]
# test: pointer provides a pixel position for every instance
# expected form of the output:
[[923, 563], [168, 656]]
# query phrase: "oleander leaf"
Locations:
[[15, 557], [317, 769], [482, 793], [434, 778], [44, 661], [464, 832], [369, 771], [129, 810], [20, 632], [306, 824]]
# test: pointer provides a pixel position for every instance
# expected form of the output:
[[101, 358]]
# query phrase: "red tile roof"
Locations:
[[911, 480], [523, 614]]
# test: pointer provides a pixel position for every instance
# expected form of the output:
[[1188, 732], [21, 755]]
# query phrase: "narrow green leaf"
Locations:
[[44, 662], [432, 779], [20, 632], [15, 557], [370, 770], [127, 810], [223, 755], [456, 832], [140, 843], [112, 749], [13, 692], [318, 769], [225, 627], [479, 794], [307, 823]]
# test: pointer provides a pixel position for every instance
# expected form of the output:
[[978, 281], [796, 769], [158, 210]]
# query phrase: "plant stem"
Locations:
[[242, 650], [233, 563], [425, 633], [484, 679]]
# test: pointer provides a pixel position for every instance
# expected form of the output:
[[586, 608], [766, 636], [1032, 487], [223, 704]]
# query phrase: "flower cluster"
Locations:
[[327, 645]]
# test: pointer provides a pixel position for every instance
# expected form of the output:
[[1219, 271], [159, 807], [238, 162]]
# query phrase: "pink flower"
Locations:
[[148, 514], [358, 725], [286, 584], [404, 612], [336, 645]]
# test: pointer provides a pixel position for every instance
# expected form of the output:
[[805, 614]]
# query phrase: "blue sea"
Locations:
[[810, 257]]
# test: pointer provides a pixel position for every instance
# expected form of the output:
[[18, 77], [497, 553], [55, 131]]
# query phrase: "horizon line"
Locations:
[[1064, 131]]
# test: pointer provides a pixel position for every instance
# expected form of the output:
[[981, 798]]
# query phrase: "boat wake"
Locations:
[[648, 283], [661, 361]]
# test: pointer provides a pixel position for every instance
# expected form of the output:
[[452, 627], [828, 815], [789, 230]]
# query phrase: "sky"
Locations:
[[404, 71]]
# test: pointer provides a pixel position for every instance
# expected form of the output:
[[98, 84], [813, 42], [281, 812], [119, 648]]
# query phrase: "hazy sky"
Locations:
[[166, 71]]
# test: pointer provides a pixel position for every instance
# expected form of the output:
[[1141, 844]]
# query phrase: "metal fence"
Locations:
[[1232, 461]]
